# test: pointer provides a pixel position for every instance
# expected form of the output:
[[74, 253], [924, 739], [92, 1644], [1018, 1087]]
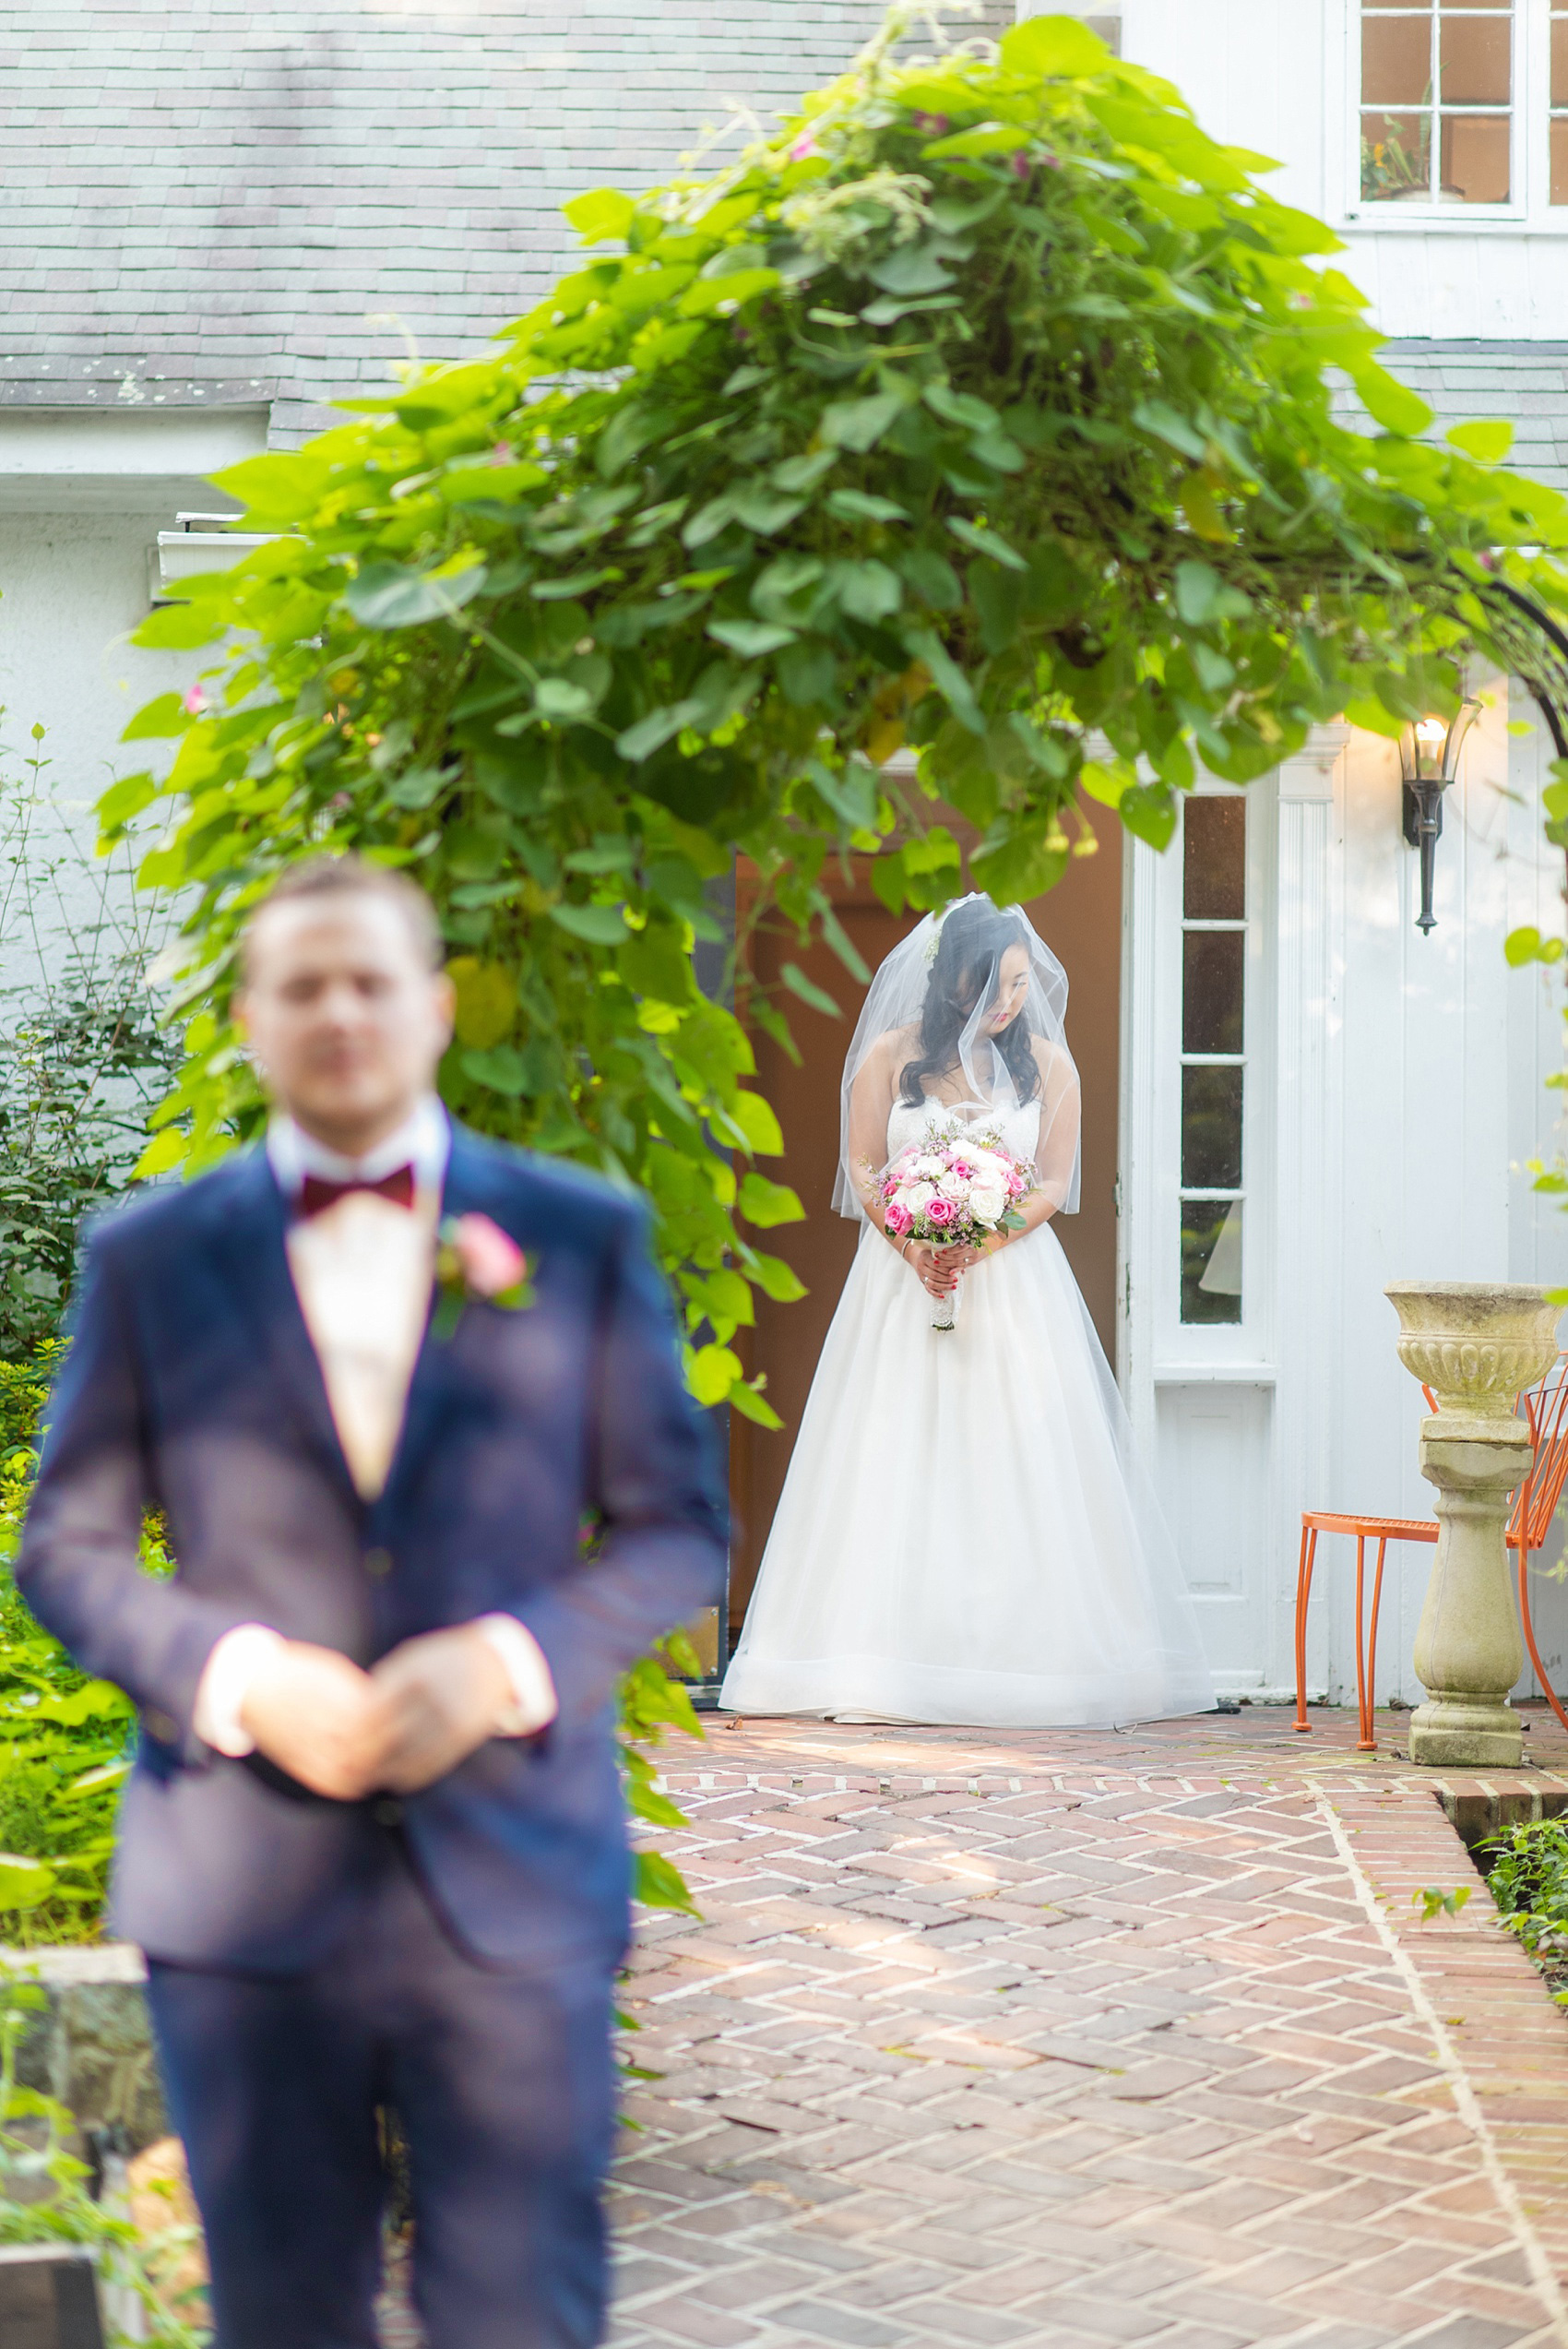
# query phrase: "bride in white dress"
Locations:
[[964, 1534]]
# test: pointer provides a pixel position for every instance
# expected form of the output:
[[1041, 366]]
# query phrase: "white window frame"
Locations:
[[1530, 209], [1157, 1347]]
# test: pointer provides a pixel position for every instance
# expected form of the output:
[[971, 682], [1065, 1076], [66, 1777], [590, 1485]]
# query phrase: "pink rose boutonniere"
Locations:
[[476, 1263]]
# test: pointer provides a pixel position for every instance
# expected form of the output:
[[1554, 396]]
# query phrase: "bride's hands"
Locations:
[[932, 1266]]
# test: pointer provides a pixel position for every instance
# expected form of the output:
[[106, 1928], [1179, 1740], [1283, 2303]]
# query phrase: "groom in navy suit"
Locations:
[[373, 1842]]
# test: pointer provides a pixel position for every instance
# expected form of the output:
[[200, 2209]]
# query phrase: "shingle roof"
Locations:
[[1526, 382], [205, 200]]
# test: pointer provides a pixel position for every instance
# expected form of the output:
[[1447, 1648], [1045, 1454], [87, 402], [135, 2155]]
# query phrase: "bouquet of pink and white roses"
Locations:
[[953, 1188]]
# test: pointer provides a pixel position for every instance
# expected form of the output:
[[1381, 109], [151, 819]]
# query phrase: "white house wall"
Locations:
[[1274, 76], [1407, 1095]]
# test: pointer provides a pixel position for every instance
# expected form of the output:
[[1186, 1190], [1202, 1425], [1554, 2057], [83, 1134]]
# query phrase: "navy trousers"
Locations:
[[503, 2082]]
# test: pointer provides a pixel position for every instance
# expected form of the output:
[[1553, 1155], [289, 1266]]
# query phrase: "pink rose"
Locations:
[[898, 1220], [961, 1167], [492, 1263], [941, 1211]]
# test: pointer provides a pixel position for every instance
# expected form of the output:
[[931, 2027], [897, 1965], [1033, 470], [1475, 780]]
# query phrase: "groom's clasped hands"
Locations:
[[346, 1733]]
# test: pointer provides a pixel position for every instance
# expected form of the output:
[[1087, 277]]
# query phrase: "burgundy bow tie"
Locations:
[[317, 1194]]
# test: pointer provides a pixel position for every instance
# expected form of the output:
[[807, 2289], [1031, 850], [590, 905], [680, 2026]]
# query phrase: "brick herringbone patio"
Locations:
[[1080, 2038]]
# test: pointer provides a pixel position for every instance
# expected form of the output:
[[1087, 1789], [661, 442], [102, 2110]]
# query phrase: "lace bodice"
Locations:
[[1018, 1127]]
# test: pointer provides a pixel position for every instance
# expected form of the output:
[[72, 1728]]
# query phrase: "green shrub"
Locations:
[[83, 1056], [65, 1740], [1528, 1870]]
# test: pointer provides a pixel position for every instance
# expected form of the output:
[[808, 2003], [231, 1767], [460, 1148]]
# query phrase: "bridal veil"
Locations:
[[941, 985]]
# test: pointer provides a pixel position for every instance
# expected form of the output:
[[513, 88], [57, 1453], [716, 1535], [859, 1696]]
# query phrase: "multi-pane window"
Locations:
[[1438, 101], [1560, 102], [1214, 981]]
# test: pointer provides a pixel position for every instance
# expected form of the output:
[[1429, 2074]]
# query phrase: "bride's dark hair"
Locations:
[[970, 945]]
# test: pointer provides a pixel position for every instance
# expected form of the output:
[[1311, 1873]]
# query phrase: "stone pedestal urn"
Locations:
[[1476, 1346]]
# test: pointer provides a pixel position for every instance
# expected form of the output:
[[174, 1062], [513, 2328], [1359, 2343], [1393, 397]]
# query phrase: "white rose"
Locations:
[[929, 1168], [918, 1197], [955, 1186], [987, 1206]]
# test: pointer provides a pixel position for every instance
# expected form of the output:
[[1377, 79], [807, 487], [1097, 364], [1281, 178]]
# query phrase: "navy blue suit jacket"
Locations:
[[191, 1386]]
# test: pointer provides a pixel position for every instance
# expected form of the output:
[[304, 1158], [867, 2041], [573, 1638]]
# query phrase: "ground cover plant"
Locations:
[[986, 412], [1527, 1868]]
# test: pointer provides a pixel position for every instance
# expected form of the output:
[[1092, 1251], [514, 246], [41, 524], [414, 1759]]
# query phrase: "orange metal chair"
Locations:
[[1546, 1407], [1535, 1506], [1382, 1530]]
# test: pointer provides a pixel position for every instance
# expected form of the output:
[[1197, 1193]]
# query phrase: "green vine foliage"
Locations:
[[988, 412]]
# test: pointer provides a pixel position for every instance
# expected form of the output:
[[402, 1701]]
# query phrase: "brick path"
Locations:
[[1078, 2038]]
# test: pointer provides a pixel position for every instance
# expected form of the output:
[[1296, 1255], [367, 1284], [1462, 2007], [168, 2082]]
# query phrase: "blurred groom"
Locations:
[[373, 1844]]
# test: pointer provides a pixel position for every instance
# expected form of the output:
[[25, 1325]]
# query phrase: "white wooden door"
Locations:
[[1198, 1204]]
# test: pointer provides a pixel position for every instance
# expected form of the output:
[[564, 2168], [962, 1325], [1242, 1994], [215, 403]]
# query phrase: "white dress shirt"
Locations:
[[363, 1271]]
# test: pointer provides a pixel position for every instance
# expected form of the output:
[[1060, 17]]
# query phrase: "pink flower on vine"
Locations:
[[194, 701]]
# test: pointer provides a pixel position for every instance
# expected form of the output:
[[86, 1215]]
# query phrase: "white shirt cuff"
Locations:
[[226, 1677], [534, 1703]]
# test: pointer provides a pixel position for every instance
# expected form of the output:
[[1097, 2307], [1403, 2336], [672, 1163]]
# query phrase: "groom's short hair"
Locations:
[[352, 876]]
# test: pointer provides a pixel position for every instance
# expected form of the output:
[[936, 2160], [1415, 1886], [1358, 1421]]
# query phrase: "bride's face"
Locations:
[[1012, 990]]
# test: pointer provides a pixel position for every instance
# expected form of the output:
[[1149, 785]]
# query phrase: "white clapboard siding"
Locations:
[[1278, 77], [1406, 1090]]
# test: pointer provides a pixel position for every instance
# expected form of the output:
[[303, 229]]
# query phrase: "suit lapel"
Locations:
[[248, 1228], [438, 1378]]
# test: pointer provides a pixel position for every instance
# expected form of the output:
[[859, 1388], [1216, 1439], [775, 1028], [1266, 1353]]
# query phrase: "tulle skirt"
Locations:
[[965, 1535]]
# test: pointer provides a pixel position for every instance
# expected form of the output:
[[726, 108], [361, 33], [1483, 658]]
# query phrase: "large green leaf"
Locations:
[[385, 595], [598, 925], [860, 423], [1053, 45], [24, 1883]]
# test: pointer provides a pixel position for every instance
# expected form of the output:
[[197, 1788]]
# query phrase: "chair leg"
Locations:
[[1303, 1593], [1369, 1712], [1530, 1631], [1360, 1639]]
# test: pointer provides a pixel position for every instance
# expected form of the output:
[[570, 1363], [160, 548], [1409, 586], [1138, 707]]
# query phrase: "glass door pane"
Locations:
[[1214, 985]]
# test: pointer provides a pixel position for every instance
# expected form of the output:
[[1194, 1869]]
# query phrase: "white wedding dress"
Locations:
[[963, 1535]]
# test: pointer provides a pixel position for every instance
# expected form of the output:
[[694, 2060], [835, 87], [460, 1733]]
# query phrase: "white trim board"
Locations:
[[121, 460]]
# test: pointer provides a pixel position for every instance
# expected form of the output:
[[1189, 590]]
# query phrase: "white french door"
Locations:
[[1196, 1277]]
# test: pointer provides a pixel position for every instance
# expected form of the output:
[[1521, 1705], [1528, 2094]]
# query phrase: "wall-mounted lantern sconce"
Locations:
[[1429, 761]]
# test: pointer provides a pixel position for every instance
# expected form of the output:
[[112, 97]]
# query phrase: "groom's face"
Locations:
[[343, 1014]]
